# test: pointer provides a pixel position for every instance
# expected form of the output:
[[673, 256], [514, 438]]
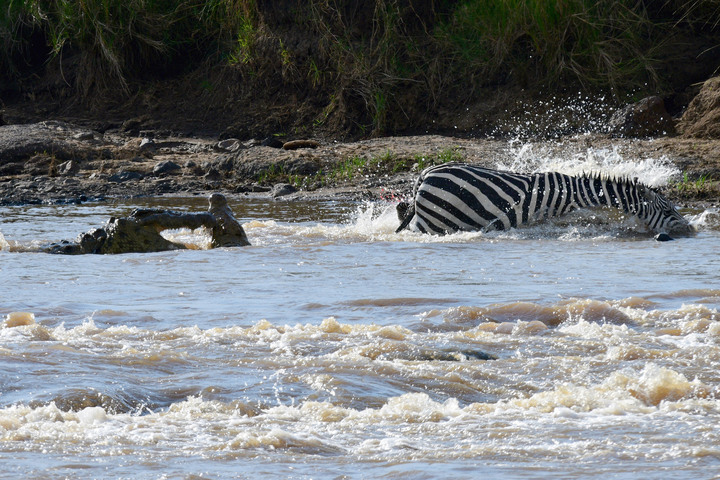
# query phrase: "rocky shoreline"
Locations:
[[58, 162]]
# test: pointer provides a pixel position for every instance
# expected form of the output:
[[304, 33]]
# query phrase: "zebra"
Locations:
[[457, 197]]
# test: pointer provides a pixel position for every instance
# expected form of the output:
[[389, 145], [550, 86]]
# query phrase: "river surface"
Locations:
[[335, 348]]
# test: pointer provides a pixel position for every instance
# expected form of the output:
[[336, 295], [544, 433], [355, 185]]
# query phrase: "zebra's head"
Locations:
[[405, 212], [661, 215]]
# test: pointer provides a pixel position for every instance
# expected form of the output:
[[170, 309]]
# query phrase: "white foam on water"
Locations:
[[322, 427], [377, 222], [533, 158], [708, 219], [198, 238]]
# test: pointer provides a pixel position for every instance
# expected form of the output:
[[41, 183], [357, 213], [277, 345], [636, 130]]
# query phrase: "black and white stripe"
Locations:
[[455, 197]]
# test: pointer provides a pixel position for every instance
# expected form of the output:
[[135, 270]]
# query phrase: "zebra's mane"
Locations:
[[619, 179]]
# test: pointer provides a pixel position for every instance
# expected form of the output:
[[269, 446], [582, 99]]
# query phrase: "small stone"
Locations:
[[295, 144], [125, 176], [282, 189], [68, 168], [229, 145], [147, 145], [84, 136], [166, 167]]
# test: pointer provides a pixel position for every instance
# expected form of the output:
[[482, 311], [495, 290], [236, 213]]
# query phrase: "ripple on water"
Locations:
[[334, 342]]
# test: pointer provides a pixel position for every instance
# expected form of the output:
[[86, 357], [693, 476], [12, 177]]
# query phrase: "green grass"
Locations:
[[353, 169], [693, 186], [594, 42]]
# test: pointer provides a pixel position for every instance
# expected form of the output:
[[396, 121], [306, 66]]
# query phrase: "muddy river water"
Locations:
[[335, 348]]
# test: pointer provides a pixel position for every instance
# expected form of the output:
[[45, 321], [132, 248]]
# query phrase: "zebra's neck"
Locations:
[[554, 194], [598, 190]]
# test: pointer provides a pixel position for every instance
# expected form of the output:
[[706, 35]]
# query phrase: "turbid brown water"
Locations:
[[334, 348]]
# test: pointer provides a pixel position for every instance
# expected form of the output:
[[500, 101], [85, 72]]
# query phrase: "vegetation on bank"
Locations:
[[356, 167], [697, 187], [374, 64]]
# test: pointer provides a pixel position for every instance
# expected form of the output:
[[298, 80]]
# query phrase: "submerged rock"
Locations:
[[426, 355], [282, 189], [140, 232]]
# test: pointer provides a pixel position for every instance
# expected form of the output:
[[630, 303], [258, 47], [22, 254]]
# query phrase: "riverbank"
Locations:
[[60, 162]]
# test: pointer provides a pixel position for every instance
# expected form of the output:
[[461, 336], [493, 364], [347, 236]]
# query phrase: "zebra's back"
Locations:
[[457, 197], [453, 197]]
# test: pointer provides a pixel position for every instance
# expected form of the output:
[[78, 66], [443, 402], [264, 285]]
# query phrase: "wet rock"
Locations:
[[84, 136], [166, 167], [426, 355], [282, 189], [295, 144], [212, 175], [229, 145], [71, 167], [702, 117], [147, 145], [124, 176], [450, 356], [648, 117]]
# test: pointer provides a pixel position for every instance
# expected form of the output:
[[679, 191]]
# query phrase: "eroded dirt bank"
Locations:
[[54, 161]]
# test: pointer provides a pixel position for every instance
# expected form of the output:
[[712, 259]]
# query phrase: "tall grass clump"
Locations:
[[373, 53], [596, 43], [113, 38], [372, 67], [108, 43], [701, 13]]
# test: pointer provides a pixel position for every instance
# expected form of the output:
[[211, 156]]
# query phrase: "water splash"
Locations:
[[533, 158], [200, 238]]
